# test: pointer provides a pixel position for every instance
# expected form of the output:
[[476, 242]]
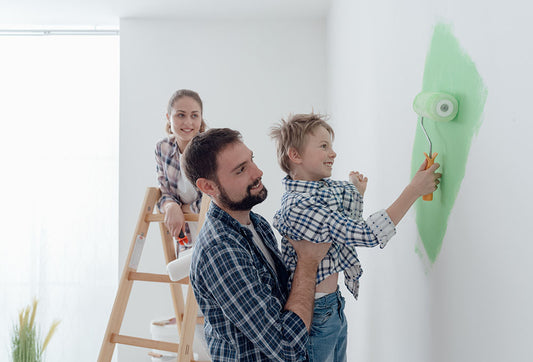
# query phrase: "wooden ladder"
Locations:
[[186, 313]]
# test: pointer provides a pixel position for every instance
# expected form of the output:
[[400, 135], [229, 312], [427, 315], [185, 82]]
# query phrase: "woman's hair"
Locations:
[[199, 159], [292, 133], [180, 94]]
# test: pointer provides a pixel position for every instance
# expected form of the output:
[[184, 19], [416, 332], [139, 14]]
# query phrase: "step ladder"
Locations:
[[186, 312]]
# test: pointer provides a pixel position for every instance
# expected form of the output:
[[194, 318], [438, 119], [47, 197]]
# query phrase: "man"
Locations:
[[238, 277]]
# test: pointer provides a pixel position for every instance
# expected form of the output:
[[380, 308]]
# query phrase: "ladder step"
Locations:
[[145, 343], [161, 217], [158, 278]]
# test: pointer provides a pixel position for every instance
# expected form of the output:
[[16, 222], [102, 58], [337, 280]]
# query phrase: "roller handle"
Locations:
[[431, 161]]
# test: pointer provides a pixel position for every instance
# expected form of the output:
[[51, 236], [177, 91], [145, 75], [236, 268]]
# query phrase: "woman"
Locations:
[[178, 195]]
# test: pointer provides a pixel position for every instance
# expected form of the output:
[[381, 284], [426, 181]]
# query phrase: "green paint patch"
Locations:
[[448, 69]]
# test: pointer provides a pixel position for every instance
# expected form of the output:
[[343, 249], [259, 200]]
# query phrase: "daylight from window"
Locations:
[[59, 115]]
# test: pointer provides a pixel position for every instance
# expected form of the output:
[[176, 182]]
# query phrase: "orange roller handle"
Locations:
[[431, 161]]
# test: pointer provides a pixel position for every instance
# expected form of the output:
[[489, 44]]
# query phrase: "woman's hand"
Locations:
[[174, 219]]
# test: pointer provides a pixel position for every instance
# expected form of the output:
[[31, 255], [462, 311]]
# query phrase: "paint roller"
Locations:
[[436, 106]]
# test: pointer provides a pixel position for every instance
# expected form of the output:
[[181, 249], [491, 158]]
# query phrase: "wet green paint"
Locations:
[[448, 69]]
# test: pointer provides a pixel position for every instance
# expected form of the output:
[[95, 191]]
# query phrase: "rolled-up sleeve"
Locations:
[[162, 178]]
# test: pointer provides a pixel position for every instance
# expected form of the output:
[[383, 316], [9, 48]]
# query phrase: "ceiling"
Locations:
[[106, 13]]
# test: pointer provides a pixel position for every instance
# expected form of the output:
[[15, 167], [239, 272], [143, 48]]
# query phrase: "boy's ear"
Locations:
[[207, 186], [294, 155]]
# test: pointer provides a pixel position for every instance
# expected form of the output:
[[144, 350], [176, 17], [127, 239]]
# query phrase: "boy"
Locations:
[[318, 209]]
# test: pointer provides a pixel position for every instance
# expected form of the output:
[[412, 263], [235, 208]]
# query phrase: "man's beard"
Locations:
[[247, 202]]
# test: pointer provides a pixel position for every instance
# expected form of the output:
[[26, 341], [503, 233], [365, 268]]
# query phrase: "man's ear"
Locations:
[[207, 186], [294, 155]]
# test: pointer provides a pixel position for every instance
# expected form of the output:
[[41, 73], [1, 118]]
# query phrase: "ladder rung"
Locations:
[[145, 343], [158, 278], [161, 217], [199, 320]]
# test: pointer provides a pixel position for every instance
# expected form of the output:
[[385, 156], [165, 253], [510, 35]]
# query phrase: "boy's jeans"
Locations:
[[327, 339]]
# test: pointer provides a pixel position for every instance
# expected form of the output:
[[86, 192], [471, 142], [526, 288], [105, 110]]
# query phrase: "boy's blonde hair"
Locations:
[[292, 133]]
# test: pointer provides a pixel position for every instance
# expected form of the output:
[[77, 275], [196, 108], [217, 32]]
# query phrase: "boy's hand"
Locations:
[[360, 181], [426, 181]]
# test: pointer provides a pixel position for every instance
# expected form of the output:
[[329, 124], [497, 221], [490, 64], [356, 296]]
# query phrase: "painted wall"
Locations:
[[474, 302], [249, 74]]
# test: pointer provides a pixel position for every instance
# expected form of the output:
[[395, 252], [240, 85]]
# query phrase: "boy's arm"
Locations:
[[424, 182]]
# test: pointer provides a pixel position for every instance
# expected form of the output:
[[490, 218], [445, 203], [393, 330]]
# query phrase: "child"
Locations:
[[318, 209]]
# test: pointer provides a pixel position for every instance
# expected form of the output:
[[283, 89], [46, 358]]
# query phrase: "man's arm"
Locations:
[[302, 295], [244, 292]]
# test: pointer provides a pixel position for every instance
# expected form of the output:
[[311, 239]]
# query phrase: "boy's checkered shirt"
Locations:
[[330, 211]]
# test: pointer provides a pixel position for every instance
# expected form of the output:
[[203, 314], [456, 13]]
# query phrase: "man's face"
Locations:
[[239, 179]]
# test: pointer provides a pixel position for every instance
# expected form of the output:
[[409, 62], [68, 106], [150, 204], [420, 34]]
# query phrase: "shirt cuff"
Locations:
[[295, 336], [164, 199], [382, 227]]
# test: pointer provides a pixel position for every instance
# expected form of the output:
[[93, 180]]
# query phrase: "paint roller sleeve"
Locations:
[[436, 106]]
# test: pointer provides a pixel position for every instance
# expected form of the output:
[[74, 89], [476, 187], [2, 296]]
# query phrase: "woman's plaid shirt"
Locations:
[[167, 157]]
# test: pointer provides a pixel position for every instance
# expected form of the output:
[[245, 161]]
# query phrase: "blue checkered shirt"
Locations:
[[167, 157], [241, 296], [330, 211]]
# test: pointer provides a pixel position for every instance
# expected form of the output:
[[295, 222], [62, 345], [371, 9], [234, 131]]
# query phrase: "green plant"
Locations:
[[26, 345]]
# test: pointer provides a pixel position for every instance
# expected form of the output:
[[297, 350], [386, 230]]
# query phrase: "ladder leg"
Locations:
[[185, 352], [175, 289], [125, 285]]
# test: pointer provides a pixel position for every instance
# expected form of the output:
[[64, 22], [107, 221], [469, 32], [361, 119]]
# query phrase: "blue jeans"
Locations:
[[327, 339]]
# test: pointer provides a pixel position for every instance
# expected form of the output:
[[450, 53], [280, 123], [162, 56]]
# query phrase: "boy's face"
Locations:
[[317, 155]]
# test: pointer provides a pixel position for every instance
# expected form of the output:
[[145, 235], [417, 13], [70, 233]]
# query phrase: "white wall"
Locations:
[[474, 303], [249, 75]]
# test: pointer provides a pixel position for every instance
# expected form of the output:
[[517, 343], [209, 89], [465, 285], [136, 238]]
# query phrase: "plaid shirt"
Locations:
[[241, 296], [330, 211], [167, 157]]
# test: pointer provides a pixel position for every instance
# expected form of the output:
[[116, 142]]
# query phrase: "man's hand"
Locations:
[[309, 252]]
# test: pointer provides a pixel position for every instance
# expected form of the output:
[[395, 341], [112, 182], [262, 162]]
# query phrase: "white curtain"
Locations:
[[59, 116]]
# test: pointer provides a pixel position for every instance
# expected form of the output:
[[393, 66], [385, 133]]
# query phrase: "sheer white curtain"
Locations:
[[59, 116]]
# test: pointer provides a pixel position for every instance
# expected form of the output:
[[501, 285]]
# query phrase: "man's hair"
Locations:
[[292, 133], [199, 159]]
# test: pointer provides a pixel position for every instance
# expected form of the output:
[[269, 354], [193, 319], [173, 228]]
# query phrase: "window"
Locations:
[[59, 118]]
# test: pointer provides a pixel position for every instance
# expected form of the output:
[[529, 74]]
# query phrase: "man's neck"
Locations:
[[243, 217]]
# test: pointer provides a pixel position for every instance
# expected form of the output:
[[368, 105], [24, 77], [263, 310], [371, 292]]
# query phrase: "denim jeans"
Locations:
[[327, 339]]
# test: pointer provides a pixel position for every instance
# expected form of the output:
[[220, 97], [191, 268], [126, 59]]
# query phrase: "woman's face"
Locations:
[[185, 120]]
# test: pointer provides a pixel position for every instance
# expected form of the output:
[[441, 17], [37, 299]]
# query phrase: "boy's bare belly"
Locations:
[[328, 285]]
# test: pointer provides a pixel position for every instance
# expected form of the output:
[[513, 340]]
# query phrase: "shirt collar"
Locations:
[[174, 144], [217, 213], [304, 186]]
